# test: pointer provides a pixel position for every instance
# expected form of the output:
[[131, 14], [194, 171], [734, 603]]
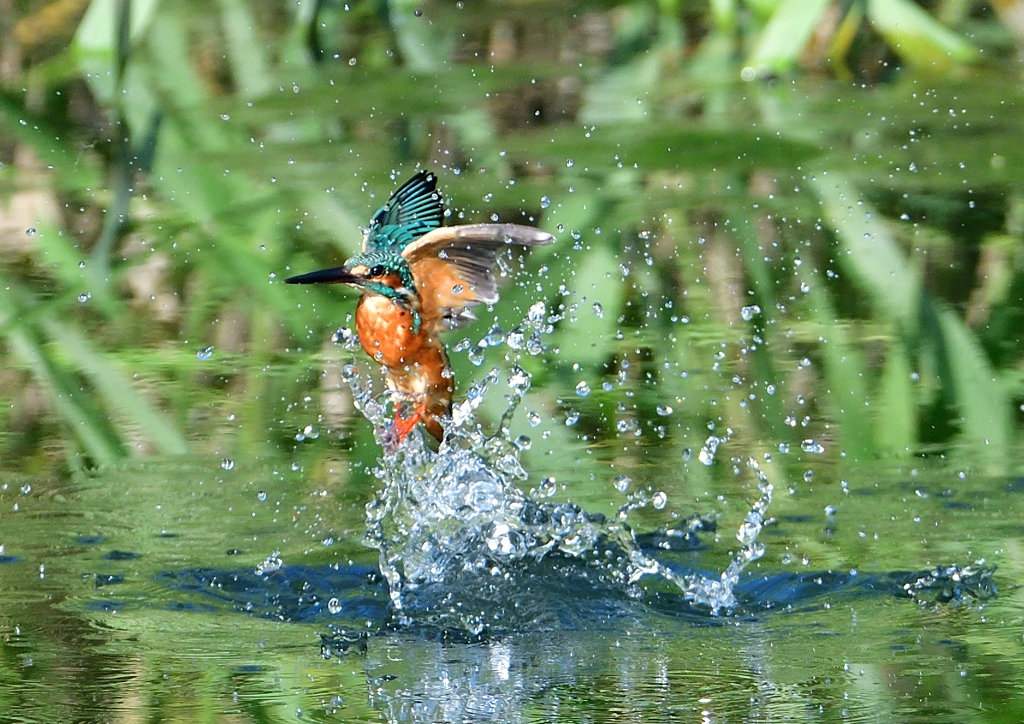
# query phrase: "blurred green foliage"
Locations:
[[789, 220]]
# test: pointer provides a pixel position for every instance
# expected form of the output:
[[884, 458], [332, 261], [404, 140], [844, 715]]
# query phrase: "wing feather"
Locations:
[[453, 267], [414, 209]]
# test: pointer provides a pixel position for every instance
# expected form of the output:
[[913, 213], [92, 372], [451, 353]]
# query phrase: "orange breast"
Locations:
[[385, 332], [415, 363]]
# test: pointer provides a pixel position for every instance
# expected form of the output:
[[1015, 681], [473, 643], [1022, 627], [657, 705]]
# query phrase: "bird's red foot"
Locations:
[[402, 426]]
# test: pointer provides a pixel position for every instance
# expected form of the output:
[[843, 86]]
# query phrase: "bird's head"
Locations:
[[380, 272]]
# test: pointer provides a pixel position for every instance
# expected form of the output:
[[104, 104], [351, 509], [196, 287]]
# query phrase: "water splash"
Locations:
[[952, 584], [719, 594], [461, 545]]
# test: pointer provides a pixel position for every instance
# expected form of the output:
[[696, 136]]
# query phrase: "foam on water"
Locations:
[[458, 523]]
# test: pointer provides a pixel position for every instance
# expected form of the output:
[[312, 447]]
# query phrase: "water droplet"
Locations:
[[664, 410], [571, 418], [545, 202], [536, 314], [707, 453], [476, 355], [583, 389], [687, 454], [84, 297], [26, 489], [334, 606], [519, 381], [261, 496], [812, 447], [515, 339], [548, 487], [495, 336], [227, 464], [349, 373], [747, 533], [488, 197], [569, 163], [748, 313], [659, 500], [533, 419], [621, 483], [808, 475], [225, 116], [598, 310], [30, 231], [346, 338], [205, 353], [458, 289], [272, 563], [307, 433]]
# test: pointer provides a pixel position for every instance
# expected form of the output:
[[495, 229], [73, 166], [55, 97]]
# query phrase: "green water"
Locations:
[[81, 645], [817, 263]]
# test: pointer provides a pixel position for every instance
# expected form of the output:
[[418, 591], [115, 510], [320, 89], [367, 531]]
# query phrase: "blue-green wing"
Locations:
[[413, 210]]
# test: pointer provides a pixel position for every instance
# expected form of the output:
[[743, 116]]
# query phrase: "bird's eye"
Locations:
[[378, 271]]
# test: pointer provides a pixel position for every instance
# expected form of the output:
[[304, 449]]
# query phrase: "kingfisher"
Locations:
[[419, 278]]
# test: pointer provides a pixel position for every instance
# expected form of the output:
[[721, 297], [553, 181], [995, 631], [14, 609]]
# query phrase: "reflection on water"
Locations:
[[584, 642], [115, 621]]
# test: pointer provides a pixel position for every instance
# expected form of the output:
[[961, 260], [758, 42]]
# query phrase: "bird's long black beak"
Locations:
[[336, 275]]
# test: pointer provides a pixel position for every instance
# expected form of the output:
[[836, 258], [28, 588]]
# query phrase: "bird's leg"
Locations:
[[404, 425]]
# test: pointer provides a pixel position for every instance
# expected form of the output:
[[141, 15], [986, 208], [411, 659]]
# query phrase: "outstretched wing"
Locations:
[[413, 210], [453, 267]]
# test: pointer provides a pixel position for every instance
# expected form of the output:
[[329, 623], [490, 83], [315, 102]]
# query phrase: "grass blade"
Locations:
[[875, 260], [87, 422], [917, 37], [786, 34], [112, 384]]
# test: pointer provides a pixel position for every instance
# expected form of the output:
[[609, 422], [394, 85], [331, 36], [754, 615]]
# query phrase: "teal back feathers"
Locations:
[[413, 210]]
